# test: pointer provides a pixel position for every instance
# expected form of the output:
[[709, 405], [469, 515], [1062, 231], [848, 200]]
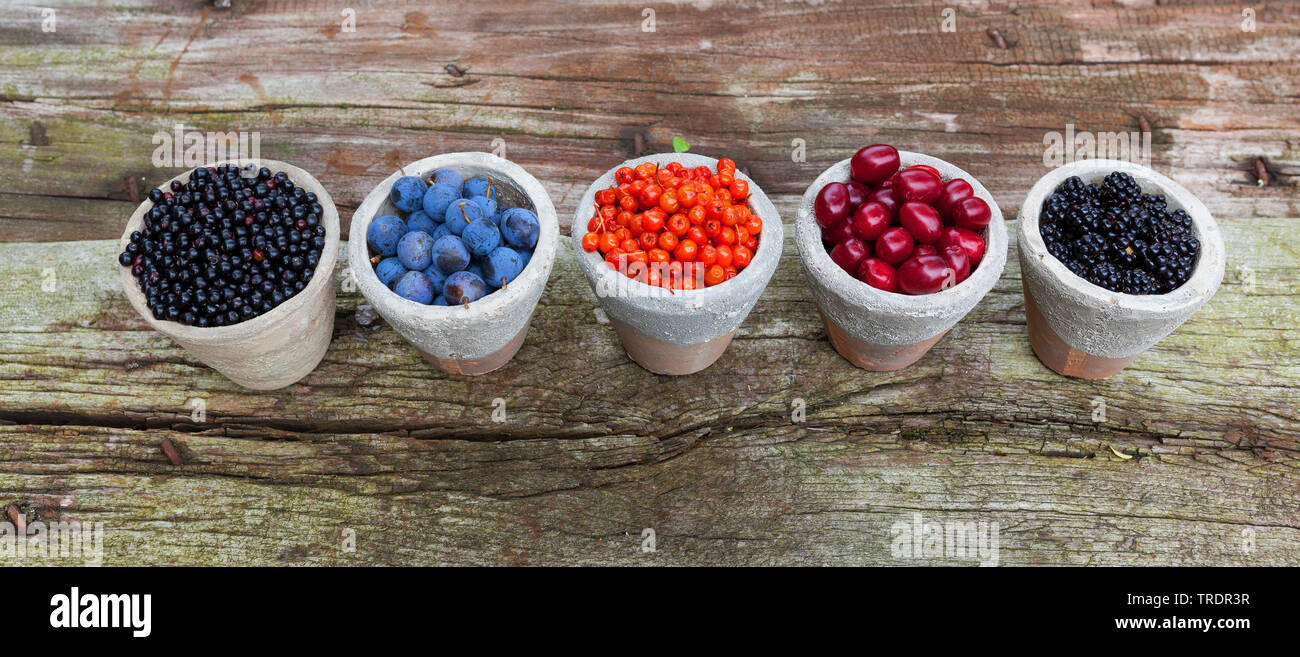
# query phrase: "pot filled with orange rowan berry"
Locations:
[[677, 247]]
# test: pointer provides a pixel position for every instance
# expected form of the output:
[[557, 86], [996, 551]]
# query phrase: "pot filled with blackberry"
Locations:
[[233, 261], [897, 247], [454, 252], [1114, 257]]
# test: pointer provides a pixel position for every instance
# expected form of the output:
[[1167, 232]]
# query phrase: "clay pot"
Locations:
[[684, 331], [883, 331], [271, 350], [486, 334], [1079, 329]]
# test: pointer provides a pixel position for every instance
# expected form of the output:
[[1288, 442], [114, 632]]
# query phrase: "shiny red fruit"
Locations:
[[858, 194], [957, 259], [924, 249], [917, 185], [870, 220], [878, 274], [874, 163], [954, 190], [966, 239], [894, 245], [886, 197], [842, 231], [972, 214], [925, 167], [921, 220], [849, 254], [925, 274], [832, 204]]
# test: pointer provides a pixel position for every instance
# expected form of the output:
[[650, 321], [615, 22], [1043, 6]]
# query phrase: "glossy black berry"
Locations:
[[1115, 236], [224, 247]]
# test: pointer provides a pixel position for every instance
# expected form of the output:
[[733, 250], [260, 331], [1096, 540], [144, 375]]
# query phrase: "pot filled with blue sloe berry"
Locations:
[[235, 261], [1113, 258], [454, 252]]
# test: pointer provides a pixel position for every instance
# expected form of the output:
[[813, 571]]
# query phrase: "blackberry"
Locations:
[[1116, 236], [226, 246], [1121, 189]]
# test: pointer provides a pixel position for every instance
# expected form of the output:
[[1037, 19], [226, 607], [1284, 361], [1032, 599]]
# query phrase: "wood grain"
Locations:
[[568, 96], [594, 449]]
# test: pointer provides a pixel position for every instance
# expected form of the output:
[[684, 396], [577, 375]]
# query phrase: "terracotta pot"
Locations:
[[486, 334], [683, 331], [1082, 330], [878, 330], [271, 350]]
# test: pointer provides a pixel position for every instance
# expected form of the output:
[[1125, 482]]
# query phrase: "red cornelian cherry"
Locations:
[[924, 274], [957, 259], [894, 245], [967, 239], [832, 204], [878, 274], [924, 249], [972, 214], [874, 163], [921, 220], [917, 185], [849, 254], [870, 221], [954, 190], [842, 231], [925, 167], [887, 197], [858, 194]]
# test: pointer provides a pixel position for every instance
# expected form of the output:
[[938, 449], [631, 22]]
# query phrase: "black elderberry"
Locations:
[[225, 246]]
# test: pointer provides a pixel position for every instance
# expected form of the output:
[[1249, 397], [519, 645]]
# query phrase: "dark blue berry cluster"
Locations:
[[225, 247], [455, 244], [1114, 236]]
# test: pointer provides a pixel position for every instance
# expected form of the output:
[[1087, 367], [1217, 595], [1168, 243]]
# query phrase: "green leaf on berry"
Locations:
[[680, 145]]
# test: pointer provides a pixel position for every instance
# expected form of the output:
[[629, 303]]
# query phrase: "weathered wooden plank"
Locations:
[[594, 449], [568, 96], [795, 495], [1227, 378]]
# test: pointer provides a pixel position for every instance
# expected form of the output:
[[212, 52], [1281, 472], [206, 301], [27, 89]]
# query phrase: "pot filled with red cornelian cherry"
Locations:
[[898, 247], [677, 247]]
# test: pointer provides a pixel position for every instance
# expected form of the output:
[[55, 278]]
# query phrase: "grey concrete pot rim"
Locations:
[[769, 244], [539, 266], [322, 276], [1191, 293], [979, 282]]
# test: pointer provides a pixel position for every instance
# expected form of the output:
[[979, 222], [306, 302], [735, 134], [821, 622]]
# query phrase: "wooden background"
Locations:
[[1195, 462]]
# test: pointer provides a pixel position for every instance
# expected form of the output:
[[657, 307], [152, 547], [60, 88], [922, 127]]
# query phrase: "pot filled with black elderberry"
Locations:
[[1113, 258], [235, 262]]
